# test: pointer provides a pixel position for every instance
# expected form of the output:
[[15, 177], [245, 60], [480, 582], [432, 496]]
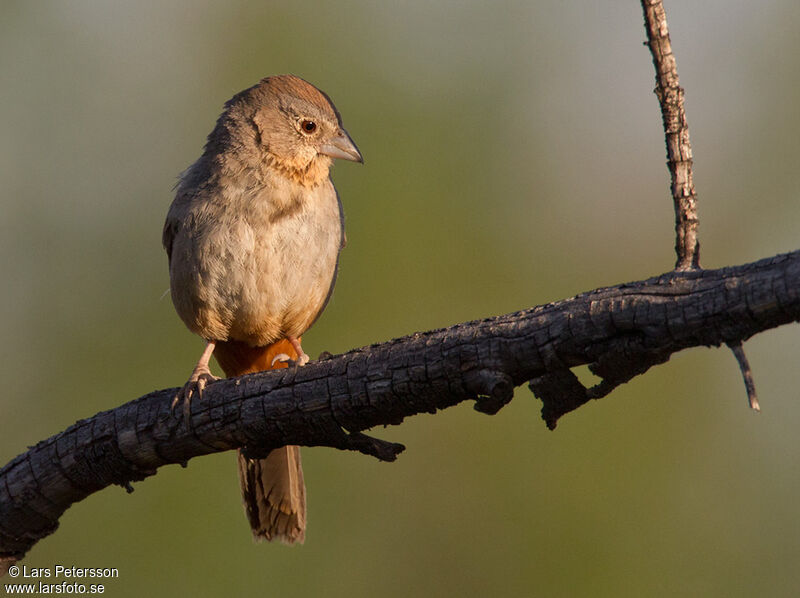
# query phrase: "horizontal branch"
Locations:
[[618, 331]]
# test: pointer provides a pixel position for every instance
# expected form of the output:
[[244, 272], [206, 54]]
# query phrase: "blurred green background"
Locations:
[[514, 156]]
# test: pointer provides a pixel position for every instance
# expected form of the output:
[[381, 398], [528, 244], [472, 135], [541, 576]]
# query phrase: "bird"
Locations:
[[253, 237]]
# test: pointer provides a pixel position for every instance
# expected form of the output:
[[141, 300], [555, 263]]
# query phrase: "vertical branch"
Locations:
[[679, 149]]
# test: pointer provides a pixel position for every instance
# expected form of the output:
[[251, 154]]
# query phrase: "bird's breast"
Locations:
[[266, 261]]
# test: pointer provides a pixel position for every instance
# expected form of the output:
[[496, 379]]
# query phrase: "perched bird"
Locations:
[[253, 239]]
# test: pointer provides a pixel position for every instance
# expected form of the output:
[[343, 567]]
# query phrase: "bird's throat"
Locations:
[[308, 174]]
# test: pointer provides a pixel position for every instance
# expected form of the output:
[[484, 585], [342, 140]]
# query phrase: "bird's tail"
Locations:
[[273, 489]]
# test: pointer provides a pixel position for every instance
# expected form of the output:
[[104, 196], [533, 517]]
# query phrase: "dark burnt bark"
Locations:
[[618, 331]]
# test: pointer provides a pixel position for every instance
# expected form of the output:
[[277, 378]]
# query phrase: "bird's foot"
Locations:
[[200, 378], [280, 358], [302, 358], [284, 358]]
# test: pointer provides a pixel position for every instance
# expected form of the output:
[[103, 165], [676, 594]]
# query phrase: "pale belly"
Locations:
[[256, 280]]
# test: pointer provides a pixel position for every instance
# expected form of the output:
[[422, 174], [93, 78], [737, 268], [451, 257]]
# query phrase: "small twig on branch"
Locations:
[[679, 149], [747, 374]]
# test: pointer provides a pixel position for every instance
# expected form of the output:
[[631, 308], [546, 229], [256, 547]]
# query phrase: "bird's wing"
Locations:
[[168, 234], [341, 221]]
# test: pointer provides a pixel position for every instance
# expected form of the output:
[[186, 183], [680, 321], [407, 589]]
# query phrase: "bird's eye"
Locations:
[[308, 126]]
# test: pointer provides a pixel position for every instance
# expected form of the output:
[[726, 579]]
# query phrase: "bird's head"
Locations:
[[296, 126]]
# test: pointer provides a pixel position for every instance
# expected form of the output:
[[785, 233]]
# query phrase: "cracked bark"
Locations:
[[618, 331], [676, 134]]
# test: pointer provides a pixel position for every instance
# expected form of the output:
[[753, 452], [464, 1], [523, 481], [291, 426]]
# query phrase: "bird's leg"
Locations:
[[201, 376], [302, 358]]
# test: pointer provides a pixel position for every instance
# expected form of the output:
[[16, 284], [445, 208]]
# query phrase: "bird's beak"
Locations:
[[341, 146]]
